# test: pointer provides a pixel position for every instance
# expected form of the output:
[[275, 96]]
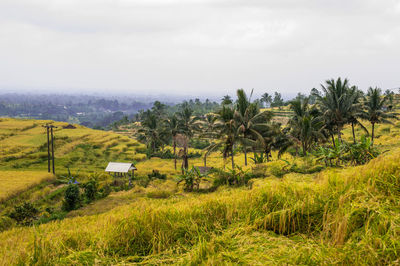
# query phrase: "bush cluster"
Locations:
[[155, 174]]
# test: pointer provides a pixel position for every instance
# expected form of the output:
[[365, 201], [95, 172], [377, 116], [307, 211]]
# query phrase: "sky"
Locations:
[[196, 47]]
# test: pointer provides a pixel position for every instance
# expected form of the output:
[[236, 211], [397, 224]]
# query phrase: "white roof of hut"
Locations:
[[120, 167]]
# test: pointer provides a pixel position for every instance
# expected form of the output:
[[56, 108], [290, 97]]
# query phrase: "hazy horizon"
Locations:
[[196, 48]]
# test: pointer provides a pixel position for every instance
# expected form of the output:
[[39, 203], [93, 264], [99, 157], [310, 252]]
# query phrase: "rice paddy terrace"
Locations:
[[23, 146], [338, 215]]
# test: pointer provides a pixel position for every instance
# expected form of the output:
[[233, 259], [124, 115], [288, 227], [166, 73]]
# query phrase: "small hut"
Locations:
[[121, 169]]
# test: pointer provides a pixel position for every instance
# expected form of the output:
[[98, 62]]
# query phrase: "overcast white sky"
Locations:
[[198, 47]]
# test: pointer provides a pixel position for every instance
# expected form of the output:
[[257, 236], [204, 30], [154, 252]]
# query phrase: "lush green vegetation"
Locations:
[[319, 187]]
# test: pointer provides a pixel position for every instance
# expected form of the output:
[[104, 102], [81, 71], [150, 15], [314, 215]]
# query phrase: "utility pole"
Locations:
[[49, 129], [52, 148], [48, 149]]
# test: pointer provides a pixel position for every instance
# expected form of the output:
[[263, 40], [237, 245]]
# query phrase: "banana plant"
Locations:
[[191, 178], [259, 158]]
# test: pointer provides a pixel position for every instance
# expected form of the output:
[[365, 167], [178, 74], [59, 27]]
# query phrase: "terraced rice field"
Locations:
[[14, 182], [23, 146]]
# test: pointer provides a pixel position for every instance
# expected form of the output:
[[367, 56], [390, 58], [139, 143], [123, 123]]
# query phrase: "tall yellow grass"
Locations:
[[347, 216], [15, 182]]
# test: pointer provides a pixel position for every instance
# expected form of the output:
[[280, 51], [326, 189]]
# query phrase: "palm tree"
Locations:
[[158, 108], [149, 132], [242, 114], [208, 125], [250, 122], [226, 100], [188, 124], [390, 96], [277, 101], [356, 111], [173, 126], [374, 106], [306, 124], [336, 103], [268, 130], [266, 98], [225, 133]]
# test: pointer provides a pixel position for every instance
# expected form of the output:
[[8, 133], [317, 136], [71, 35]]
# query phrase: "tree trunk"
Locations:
[[205, 160], [245, 155], [186, 163], [233, 160], [174, 153], [373, 134], [354, 135], [304, 148], [339, 135], [333, 141]]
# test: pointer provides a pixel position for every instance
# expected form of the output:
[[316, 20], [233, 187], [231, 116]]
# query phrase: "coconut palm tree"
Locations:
[[251, 127], [244, 112], [374, 109], [336, 103], [356, 112], [306, 124], [268, 131], [150, 131], [173, 127], [389, 94], [226, 100], [208, 125], [266, 98], [225, 133], [188, 124]]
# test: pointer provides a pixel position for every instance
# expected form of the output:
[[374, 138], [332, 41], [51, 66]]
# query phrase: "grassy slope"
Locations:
[[342, 216], [337, 216], [23, 146], [23, 157]]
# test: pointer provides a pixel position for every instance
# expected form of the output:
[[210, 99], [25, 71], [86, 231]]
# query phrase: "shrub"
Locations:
[[362, 152], [51, 216], [142, 181], [191, 178], [233, 177], [278, 169], [90, 190], [6, 223], [71, 198], [24, 214], [167, 154], [259, 158], [155, 174], [104, 191]]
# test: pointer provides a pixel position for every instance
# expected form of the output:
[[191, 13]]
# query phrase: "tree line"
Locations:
[[242, 126]]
